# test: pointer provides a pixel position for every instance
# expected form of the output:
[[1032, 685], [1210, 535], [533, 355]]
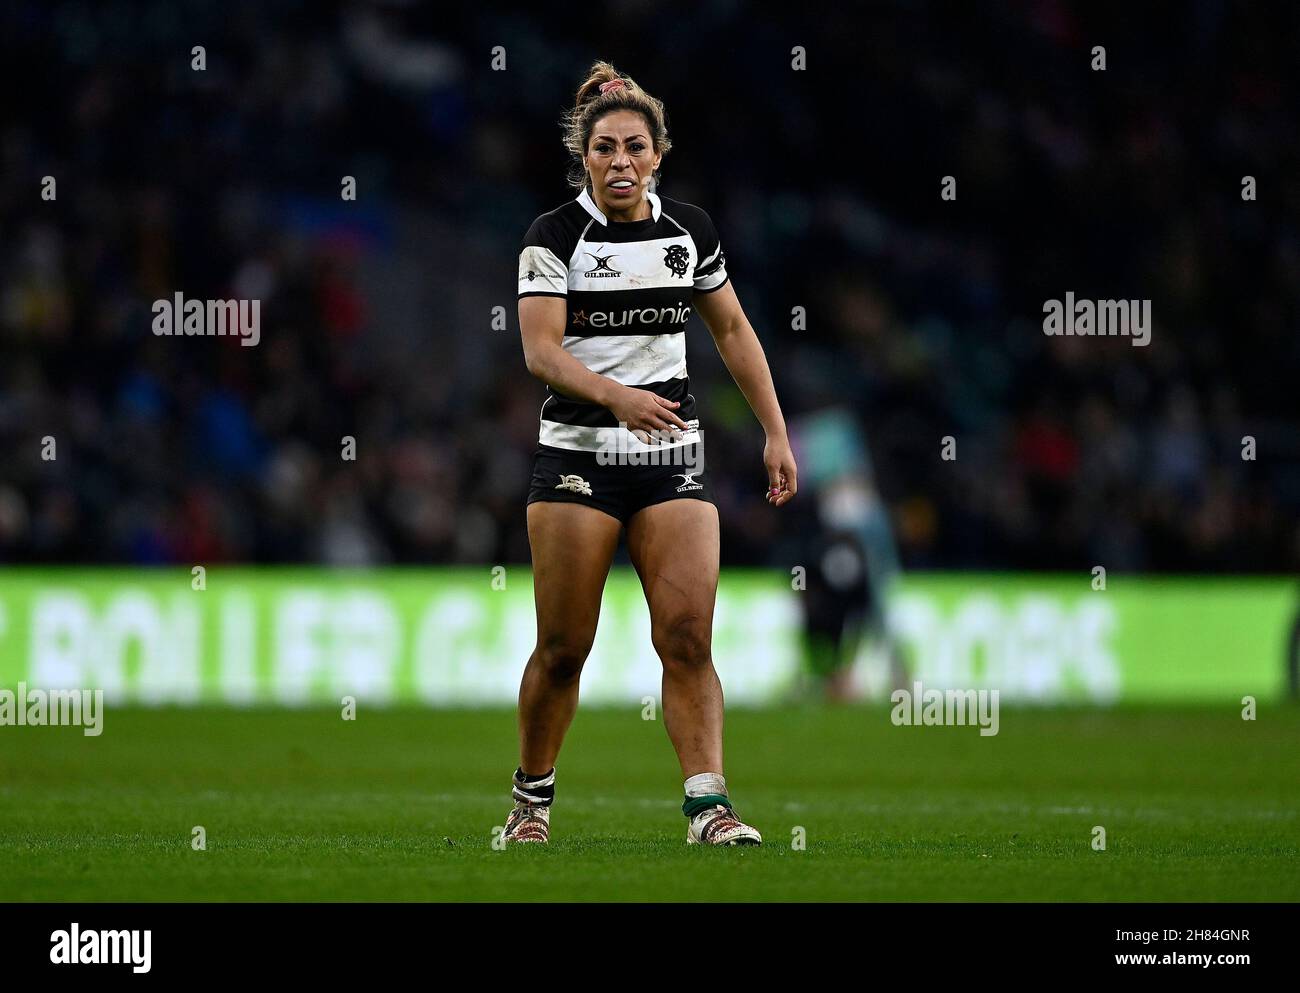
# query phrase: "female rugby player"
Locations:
[[607, 282]]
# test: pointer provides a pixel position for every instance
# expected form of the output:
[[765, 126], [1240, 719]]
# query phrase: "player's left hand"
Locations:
[[782, 473]]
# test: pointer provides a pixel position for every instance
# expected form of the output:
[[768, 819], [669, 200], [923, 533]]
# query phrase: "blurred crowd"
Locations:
[[390, 320]]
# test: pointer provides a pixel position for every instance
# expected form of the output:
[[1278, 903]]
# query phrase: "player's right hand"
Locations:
[[647, 415]]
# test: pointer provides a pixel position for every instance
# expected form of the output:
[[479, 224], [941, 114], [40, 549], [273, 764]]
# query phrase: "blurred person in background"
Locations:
[[848, 555]]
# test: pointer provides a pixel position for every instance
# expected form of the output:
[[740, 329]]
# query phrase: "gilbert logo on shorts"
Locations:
[[688, 481], [575, 483]]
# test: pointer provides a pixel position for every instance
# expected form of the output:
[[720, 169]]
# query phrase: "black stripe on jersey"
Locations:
[[558, 230], [564, 410], [709, 267], [646, 310]]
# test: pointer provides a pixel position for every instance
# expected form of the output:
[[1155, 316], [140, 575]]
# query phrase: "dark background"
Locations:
[[924, 316]]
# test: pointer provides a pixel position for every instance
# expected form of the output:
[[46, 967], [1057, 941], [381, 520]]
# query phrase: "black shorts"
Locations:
[[620, 490]]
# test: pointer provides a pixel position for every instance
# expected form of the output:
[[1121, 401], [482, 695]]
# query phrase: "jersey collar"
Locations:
[[589, 205]]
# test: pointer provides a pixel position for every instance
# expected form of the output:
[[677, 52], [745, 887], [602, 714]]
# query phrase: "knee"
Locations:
[[561, 656], [685, 640]]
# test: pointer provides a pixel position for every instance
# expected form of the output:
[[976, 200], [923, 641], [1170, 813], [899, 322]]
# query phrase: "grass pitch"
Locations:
[[401, 804]]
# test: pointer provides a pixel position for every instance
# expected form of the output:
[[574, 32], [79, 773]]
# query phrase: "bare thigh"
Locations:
[[572, 548], [674, 546]]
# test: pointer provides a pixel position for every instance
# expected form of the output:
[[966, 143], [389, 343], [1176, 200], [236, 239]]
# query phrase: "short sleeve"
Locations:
[[711, 271], [542, 269]]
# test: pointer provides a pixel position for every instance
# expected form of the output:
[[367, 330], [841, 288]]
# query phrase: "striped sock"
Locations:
[[706, 790], [536, 790]]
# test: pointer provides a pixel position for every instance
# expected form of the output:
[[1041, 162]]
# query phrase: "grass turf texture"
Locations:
[[400, 805]]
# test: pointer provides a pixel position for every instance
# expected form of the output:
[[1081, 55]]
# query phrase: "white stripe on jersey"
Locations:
[[540, 271], [587, 439], [713, 280], [631, 359], [627, 265]]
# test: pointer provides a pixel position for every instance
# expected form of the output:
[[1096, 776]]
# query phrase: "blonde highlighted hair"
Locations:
[[590, 104]]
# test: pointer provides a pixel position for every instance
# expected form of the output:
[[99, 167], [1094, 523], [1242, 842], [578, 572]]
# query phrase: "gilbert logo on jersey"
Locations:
[[603, 268]]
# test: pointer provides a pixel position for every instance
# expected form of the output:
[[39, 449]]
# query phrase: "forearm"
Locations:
[[743, 356], [560, 370]]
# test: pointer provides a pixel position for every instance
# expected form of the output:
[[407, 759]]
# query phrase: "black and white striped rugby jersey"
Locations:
[[627, 287]]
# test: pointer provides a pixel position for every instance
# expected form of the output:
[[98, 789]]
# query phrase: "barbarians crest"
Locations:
[[677, 258]]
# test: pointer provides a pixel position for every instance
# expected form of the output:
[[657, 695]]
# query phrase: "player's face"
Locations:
[[621, 160]]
